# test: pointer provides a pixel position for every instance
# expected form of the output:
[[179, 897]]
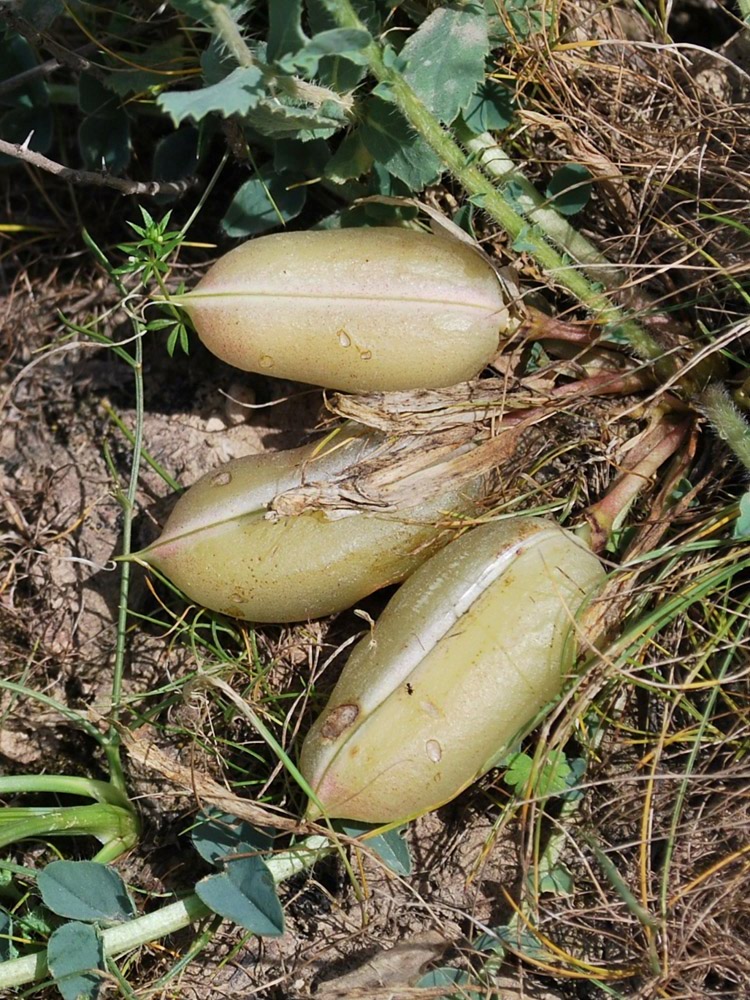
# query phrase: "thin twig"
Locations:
[[150, 189]]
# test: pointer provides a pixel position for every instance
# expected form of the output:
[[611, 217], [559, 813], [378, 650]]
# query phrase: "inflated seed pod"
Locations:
[[221, 550], [353, 309], [464, 656]]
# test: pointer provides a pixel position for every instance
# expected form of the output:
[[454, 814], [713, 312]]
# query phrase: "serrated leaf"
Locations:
[[392, 142], [445, 58], [569, 189], [390, 847], [742, 524], [217, 834], [263, 203], [85, 890], [277, 120], [236, 94], [344, 43], [490, 108], [285, 32], [74, 952], [104, 142], [351, 159], [246, 894]]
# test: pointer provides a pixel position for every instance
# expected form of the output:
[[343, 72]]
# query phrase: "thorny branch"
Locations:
[[150, 189]]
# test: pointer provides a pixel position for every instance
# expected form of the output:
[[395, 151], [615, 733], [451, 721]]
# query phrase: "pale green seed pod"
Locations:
[[220, 548], [464, 657], [355, 309]]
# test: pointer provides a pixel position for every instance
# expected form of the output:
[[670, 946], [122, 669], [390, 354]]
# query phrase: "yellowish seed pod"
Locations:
[[220, 548], [463, 658], [354, 309]]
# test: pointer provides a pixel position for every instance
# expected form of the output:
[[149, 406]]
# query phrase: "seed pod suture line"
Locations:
[[225, 549], [470, 649], [353, 309]]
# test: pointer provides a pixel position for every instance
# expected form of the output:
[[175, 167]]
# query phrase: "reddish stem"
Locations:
[[655, 447]]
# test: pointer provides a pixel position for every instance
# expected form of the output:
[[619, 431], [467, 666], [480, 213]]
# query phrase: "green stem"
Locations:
[[167, 920], [605, 516], [498, 164], [57, 706], [62, 784], [482, 190], [105, 822], [300, 90]]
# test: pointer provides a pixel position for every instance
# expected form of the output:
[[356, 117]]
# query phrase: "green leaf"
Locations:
[[234, 95], [444, 976], [150, 72], [549, 779], [390, 847], [464, 218], [74, 952], [279, 120], [246, 894], [351, 160], [41, 13], [285, 32], [742, 524], [344, 43], [93, 97], [391, 141], [528, 240], [490, 108], [321, 19], [104, 142], [85, 890], [17, 56], [301, 158], [193, 8], [218, 834], [176, 154], [557, 880], [445, 58], [516, 19], [569, 189], [8, 949], [263, 203]]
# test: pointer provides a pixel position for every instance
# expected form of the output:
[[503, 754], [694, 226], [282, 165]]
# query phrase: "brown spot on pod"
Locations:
[[338, 721], [221, 479]]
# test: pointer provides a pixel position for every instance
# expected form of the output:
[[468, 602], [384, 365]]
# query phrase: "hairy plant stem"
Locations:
[[500, 166], [311, 93], [728, 422], [159, 924], [483, 191]]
